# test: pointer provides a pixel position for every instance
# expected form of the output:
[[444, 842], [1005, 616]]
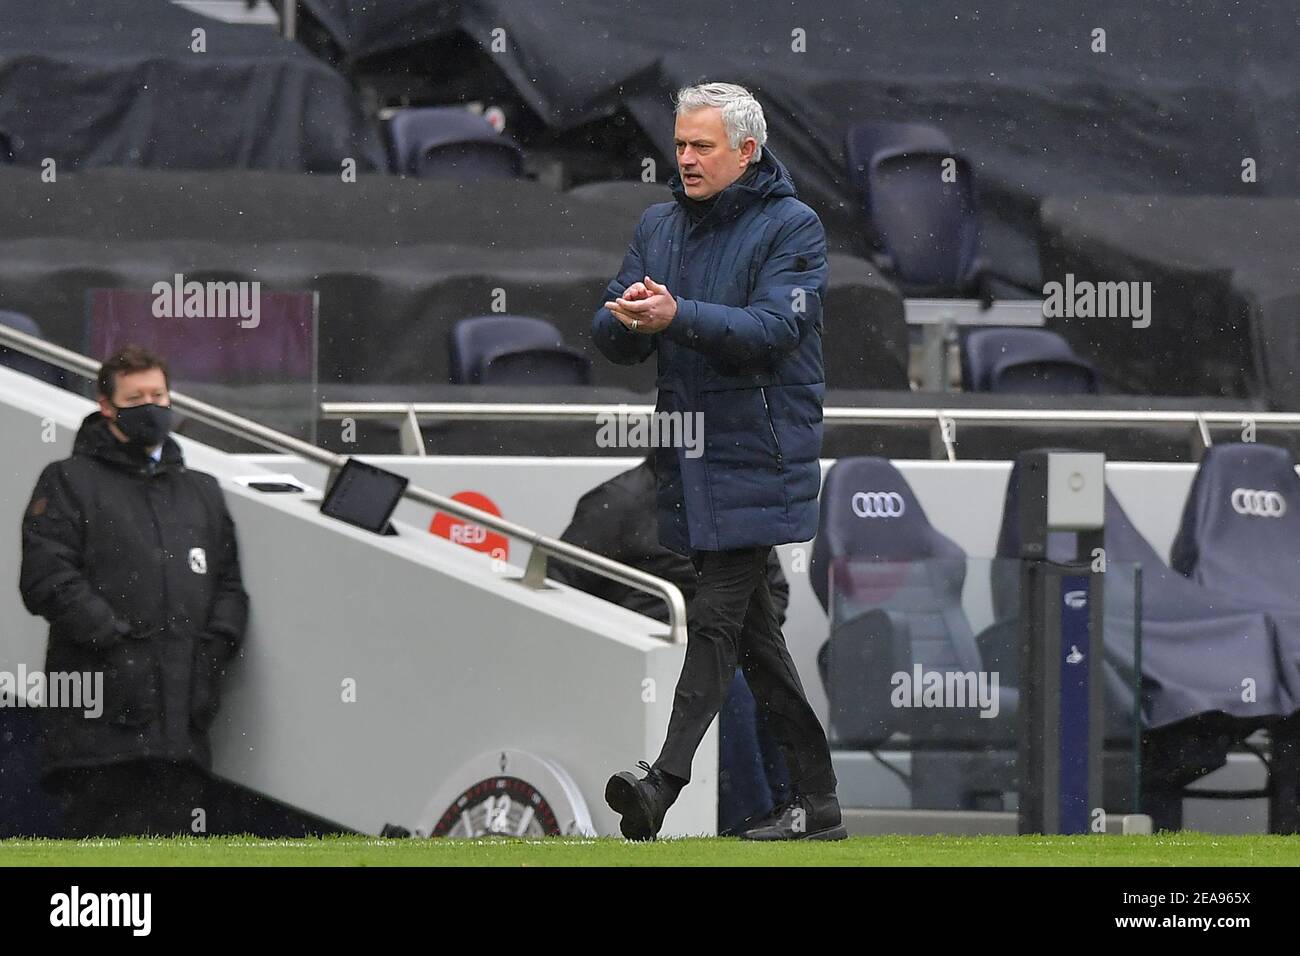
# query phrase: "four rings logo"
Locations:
[[1260, 504], [878, 504]]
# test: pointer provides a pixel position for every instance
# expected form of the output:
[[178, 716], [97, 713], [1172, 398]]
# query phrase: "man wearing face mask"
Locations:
[[132, 559]]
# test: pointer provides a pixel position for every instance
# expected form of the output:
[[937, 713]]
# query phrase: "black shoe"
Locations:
[[811, 817], [641, 803]]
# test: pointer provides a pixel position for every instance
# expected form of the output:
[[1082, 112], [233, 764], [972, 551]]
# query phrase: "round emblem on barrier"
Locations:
[[1258, 504], [506, 793], [878, 504], [507, 806]]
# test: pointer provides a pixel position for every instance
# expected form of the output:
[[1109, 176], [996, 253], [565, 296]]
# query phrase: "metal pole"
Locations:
[[289, 19]]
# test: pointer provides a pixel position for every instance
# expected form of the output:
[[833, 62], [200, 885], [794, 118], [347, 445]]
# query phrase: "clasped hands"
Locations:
[[644, 307]]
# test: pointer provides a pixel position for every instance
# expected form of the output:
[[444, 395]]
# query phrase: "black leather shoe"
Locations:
[[809, 817], [641, 803]]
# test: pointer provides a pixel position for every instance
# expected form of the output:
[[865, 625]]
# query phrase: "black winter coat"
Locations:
[[619, 519], [137, 570]]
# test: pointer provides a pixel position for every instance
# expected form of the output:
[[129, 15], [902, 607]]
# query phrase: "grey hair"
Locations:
[[742, 116]]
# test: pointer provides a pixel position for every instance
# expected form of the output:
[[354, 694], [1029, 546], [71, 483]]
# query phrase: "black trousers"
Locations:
[[135, 798], [733, 620]]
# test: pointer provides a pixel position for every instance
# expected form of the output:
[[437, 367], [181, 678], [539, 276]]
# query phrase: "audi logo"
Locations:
[[878, 504], [1260, 504]]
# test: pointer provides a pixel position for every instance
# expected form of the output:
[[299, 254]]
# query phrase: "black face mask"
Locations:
[[145, 425]]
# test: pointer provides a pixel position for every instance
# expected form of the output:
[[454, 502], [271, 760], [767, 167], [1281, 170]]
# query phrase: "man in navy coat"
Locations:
[[725, 285]]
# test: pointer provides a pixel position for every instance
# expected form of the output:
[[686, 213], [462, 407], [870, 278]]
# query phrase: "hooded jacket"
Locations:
[[742, 360], [135, 566]]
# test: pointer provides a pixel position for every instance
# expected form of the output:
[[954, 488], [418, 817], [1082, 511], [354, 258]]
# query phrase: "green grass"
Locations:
[[1182, 849]]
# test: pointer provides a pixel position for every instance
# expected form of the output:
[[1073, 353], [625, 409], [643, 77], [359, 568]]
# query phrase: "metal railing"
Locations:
[[942, 423], [542, 547]]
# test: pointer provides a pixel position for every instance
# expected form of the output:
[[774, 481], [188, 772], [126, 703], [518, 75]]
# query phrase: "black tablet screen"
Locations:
[[364, 495]]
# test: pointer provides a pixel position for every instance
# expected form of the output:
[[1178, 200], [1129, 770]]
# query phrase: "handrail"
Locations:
[[488, 411], [534, 574], [941, 421]]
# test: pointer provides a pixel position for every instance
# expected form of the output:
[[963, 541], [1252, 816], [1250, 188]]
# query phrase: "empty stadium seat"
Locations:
[[929, 228], [1197, 647], [1197, 644], [20, 361], [451, 143], [865, 141], [515, 346], [892, 585], [1024, 361], [1240, 534], [545, 365]]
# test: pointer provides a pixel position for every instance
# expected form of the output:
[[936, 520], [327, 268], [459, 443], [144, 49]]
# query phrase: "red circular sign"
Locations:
[[467, 533]]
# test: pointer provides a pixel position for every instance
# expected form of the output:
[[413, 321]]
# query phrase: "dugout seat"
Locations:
[[892, 585]]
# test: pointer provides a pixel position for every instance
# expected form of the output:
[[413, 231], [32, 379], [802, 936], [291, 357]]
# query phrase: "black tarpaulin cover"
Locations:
[[1184, 91], [1223, 296], [118, 83]]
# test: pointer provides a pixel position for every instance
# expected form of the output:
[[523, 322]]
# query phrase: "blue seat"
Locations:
[[1197, 644], [513, 345], [1240, 535], [21, 361], [539, 365], [892, 585], [929, 228], [451, 143], [863, 142], [1024, 361]]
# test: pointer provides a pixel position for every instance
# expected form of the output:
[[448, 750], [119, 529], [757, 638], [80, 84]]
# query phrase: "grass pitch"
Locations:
[[1181, 849]]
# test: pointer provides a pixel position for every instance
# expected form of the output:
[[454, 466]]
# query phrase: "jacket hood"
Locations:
[[771, 180], [94, 440]]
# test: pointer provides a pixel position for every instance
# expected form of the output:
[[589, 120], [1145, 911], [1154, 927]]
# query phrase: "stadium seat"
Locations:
[[475, 342], [1197, 644], [20, 361], [6, 148], [542, 365], [1024, 361], [451, 143], [892, 585], [929, 227], [865, 141], [1240, 535]]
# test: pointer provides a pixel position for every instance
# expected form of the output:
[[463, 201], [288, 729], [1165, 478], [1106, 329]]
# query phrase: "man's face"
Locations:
[[136, 388], [705, 159]]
